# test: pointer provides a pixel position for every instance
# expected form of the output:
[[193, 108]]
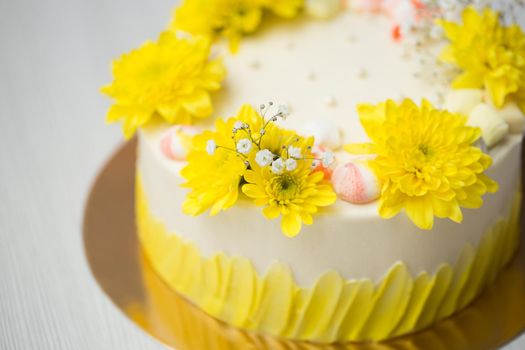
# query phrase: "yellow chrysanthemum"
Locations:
[[426, 161], [274, 163], [296, 195], [231, 19], [169, 79], [214, 179], [490, 55]]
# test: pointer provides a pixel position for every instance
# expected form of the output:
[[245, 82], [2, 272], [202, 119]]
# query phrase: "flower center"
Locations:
[[284, 187], [425, 150]]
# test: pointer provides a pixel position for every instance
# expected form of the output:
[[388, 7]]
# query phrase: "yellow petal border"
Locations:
[[333, 309]]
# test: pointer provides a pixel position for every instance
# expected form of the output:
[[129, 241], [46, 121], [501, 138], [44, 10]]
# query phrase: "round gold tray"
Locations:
[[117, 262]]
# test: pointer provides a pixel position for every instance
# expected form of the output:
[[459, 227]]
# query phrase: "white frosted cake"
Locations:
[[377, 193]]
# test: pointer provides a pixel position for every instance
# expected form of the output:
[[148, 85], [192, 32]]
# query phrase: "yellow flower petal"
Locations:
[[421, 212], [272, 211], [291, 224], [468, 80], [170, 78], [429, 169], [490, 54], [284, 8], [170, 113], [198, 104], [253, 191], [359, 148], [388, 211]]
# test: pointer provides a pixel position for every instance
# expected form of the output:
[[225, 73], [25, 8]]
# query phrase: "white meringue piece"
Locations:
[[463, 101], [493, 127], [355, 183], [324, 132], [513, 116]]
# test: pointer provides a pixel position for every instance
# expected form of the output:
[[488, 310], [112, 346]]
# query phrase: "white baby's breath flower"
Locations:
[[244, 146], [328, 159], [264, 157], [278, 166], [239, 125], [283, 111], [291, 164], [294, 152], [211, 146]]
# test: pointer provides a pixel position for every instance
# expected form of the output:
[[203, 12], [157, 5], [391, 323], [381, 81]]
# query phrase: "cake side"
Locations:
[[343, 238], [333, 308]]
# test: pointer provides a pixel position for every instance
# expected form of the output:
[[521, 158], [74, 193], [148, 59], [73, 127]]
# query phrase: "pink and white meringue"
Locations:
[[355, 183], [176, 142]]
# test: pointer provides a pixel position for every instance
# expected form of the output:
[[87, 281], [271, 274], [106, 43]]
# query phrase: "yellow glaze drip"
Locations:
[[333, 309]]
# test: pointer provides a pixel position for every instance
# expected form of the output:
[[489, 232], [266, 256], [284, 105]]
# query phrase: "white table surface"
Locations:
[[54, 56]]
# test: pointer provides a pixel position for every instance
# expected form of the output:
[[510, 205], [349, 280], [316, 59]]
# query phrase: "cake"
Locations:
[[326, 171]]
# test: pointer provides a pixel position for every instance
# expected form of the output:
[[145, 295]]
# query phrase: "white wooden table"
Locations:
[[54, 56]]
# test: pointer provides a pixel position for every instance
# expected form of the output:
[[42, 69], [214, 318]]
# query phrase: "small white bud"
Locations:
[[283, 111], [239, 125]]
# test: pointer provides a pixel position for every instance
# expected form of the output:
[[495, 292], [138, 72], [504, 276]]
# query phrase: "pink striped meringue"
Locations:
[[355, 183], [175, 143]]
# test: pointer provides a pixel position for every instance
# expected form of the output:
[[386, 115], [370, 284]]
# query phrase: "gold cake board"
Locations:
[[125, 276]]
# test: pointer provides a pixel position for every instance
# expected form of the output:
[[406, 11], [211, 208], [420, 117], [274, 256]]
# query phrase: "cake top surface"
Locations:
[[321, 70], [397, 103]]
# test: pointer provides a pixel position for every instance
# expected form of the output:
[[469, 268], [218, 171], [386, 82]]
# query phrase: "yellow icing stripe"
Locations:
[[276, 300], [322, 305], [462, 271], [333, 309], [240, 292], [440, 284], [390, 303], [358, 312], [348, 295], [420, 292]]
